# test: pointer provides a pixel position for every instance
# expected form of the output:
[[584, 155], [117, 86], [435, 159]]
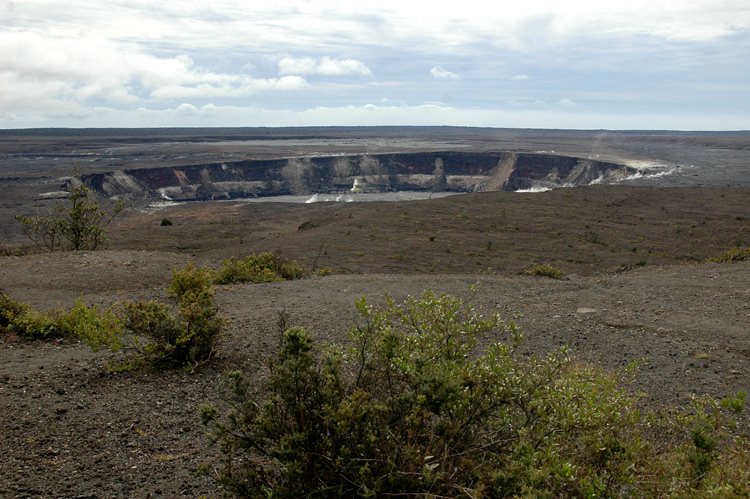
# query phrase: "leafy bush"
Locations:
[[263, 267], [181, 333], [545, 270], [21, 320], [85, 321], [698, 453], [157, 334], [18, 319], [733, 254], [12, 251], [324, 271], [81, 226], [415, 408]]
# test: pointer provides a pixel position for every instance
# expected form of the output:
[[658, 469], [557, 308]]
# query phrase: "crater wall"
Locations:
[[447, 171]]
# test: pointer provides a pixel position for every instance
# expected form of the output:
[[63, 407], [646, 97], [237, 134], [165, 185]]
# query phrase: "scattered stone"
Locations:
[[586, 310]]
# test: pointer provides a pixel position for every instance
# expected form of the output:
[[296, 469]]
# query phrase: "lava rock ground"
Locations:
[[71, 428]]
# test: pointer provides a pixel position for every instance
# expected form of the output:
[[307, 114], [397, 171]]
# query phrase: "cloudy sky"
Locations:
[[635, 64]]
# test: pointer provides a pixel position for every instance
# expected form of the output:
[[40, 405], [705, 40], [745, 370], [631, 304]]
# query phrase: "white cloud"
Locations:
[[187, 109], [187, 114], [299, 66], [317, 26], [231, 86], [527, 103], [324, 65], [329, 66], [440, 73], [50, 74], [74, 60]]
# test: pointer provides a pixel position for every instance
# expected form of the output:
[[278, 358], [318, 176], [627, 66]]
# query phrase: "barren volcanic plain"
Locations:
[[631, 219]]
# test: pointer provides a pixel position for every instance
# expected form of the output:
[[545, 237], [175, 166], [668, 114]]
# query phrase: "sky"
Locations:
[[605, 64]]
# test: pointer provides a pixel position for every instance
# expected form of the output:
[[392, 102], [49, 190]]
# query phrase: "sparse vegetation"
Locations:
[[80, 226], [69, 426], [544, 270], [400, 256], [177, 334], [12, 251], [20, 320], [593, 237], [324, 271], [152, 334], [733, 254], [262, 267], [413, 408]]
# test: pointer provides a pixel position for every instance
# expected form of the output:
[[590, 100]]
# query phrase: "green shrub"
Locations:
[[324, 271], [733, 254], [165, 222], [699, 453], [177, 334], [156, 334], [20, 320], [12, 251], [545, 270], [263, 267], [10, 310], [414, 408], [87, 321], [187, 337], [189, 282]]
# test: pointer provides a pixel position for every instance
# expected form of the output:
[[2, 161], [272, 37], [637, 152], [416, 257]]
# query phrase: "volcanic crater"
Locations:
[[442, 171]]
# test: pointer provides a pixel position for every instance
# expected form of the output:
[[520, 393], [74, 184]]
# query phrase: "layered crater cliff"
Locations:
[[446, 171]]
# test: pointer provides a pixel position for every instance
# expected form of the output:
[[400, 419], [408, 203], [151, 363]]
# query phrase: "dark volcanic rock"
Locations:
[[446, 171]]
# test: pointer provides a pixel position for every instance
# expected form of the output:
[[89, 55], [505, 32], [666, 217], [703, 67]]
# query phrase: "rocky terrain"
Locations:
[[147, 165], [446, 171], [634, 289]]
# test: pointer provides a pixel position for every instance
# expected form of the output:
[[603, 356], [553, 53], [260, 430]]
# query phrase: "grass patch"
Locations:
[[256, 268], [544, 270]]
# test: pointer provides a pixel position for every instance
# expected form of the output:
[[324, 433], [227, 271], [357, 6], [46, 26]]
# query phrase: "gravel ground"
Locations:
[[70, 428]]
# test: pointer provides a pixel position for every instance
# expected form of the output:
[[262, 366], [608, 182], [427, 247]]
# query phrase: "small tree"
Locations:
[[80, 226]]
